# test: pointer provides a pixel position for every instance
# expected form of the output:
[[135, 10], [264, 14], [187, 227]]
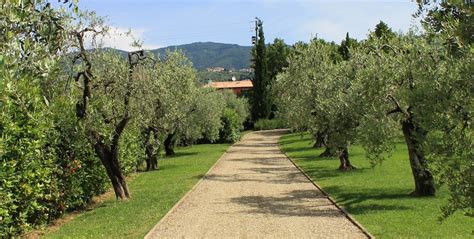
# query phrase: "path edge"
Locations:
[[346, 214], [177, 204]]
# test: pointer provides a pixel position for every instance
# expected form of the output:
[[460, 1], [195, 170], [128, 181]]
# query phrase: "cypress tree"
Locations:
[[260, 104]]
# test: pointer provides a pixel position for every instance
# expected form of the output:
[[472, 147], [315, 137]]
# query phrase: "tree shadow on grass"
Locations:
[[301, 150], [291, 141], [314, 156], [321, 173], [162, 167], [317, 171], [314, 159], [180, 154], [199, 176], [353, 200]]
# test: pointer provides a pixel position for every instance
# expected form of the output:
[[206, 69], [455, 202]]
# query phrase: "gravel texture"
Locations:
[[254, 191]]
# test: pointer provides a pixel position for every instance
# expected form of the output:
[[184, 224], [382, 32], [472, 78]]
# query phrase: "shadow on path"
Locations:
[[289, 178], [298, 203]]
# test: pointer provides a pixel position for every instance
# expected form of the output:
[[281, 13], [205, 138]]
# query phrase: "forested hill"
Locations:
[[210, 54]]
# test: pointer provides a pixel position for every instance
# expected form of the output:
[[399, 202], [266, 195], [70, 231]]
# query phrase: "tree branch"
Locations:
[[118, 131], [398, 108]]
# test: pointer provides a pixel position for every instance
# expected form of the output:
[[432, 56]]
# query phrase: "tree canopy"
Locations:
[[406, 86]]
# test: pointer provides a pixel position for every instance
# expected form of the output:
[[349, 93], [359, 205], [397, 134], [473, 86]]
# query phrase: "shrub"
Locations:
[[267, 124], [230, 131], [233, 117], [78, 172], [46, 164], [26, 169], [132, 151]]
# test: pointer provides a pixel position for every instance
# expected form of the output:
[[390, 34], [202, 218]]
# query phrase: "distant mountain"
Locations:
[[121, 52], [210, 54]]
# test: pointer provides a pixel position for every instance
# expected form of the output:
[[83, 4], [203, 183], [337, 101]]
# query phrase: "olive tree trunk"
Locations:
[[424, 182], [328, 152], [344, 159], [108, 153], [319, 140], [169, 144], [151, 153], [109, 156]]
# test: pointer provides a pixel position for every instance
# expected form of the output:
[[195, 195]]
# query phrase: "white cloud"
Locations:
[[122, 38], [324, 29]]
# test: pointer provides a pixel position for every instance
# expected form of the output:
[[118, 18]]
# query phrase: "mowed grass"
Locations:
[[378, 197], [153, 195]]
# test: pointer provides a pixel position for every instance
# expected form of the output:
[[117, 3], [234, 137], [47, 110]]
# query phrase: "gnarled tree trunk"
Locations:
[[151, 154], [169, 144], [319, 140], [328, 152], [114, 172], [424, 182], [344, 159], [109, 155]]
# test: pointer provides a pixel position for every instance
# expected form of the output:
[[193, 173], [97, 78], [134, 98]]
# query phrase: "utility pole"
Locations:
[[257, 24]]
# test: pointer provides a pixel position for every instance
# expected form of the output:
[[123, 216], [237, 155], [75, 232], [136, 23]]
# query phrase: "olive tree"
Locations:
[[413, 81], [387, 81], [205, 121], [292, 89], [450, 22], [301, 87], [175, 83], [109, 95], [329, 104]]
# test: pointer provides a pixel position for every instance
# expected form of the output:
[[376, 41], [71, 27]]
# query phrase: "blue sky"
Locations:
[[166, 22]]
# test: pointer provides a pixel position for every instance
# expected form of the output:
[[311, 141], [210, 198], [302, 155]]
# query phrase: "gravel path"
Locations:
[[254, 191]]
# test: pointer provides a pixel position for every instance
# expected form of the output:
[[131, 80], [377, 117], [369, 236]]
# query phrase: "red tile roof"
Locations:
[[231, 84]]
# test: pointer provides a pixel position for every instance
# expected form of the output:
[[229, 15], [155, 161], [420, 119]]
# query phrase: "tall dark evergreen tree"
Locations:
[[260, 105], [277, 59], [382, 30], [277, 54], [346, 44]]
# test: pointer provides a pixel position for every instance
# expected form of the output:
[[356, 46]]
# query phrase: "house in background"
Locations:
[[216, 69], [246, 70], [238, 87]]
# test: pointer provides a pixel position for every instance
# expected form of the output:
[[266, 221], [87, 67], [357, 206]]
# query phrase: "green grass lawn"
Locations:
[[153, 195], [378, 197]]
